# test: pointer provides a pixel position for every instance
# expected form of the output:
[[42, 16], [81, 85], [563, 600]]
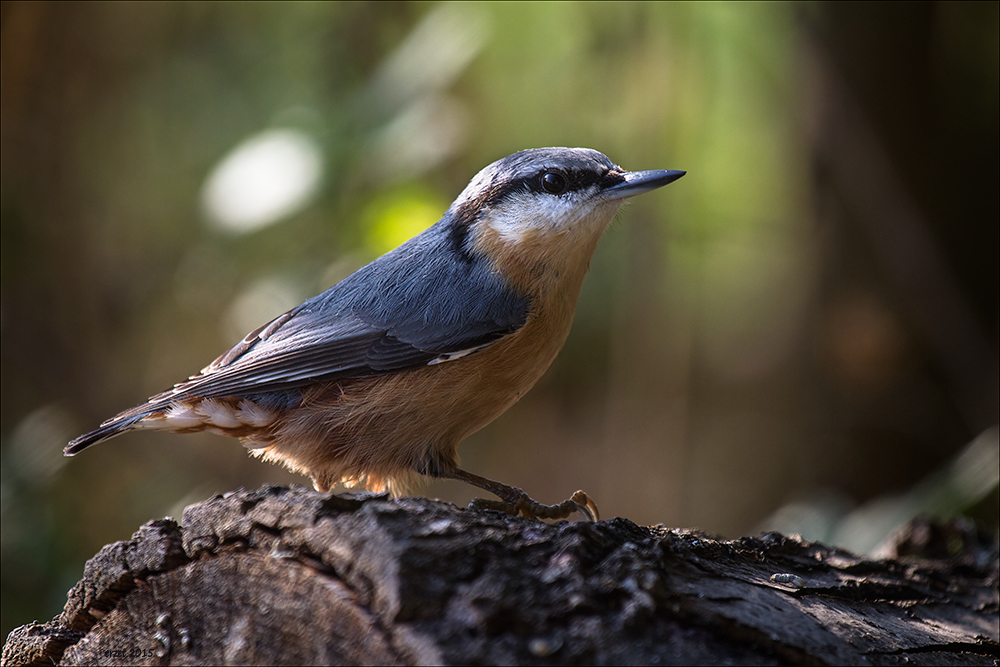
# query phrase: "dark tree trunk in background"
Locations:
[[903, 134], [288, 575]]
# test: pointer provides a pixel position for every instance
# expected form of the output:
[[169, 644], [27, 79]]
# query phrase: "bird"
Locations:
[[377, 380]]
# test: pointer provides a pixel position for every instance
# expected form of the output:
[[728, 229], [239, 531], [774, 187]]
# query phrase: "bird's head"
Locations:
[[538, 214]]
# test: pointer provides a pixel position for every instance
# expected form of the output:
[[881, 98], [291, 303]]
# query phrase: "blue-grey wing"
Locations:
[[420, 303]]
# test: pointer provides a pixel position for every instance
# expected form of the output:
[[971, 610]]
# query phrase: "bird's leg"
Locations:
[[514, 501]]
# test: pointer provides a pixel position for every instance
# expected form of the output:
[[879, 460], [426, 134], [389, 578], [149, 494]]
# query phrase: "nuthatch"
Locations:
[[379, 378]]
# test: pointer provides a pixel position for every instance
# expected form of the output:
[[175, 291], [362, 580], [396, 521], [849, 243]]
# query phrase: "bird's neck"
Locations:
[[547, 264]]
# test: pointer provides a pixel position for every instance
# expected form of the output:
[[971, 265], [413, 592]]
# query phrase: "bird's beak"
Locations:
[[637, 182]]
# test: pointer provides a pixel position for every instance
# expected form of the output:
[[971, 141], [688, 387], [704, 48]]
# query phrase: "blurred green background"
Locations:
[[801, 334]]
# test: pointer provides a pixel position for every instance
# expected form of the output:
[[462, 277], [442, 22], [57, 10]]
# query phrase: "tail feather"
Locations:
[[106, 431], [120, 423], [235, 416]]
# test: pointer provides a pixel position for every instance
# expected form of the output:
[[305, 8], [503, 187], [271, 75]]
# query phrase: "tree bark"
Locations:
[[291, 576]]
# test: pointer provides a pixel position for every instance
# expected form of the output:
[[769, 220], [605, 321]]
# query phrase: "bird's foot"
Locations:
[[516, 502], [531, 509]]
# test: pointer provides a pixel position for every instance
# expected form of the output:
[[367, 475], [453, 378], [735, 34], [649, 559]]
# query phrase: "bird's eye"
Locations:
[[553, 182]]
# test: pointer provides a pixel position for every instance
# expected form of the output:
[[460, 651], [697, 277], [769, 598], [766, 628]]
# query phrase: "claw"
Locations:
[[586, 506]]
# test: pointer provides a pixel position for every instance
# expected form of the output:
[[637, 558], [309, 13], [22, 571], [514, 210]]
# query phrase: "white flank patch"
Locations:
[[252, 414], [217, 414], [208, 412], [177, 417]]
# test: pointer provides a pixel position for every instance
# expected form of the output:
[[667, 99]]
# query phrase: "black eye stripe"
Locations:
[[575, 181], [467, 212]]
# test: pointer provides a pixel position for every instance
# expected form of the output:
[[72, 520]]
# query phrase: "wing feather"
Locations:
[[421, 302]]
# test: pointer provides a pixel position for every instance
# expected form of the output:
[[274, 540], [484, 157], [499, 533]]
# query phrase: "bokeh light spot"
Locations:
[[397, 216], [268, 177]]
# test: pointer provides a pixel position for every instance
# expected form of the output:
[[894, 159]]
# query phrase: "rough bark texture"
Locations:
[[288, 575]]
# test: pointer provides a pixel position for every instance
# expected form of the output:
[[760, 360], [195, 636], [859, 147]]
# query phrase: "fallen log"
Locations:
[[286, 575]]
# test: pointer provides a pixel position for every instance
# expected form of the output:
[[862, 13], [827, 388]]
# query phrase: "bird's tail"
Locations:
[[106, 431]]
